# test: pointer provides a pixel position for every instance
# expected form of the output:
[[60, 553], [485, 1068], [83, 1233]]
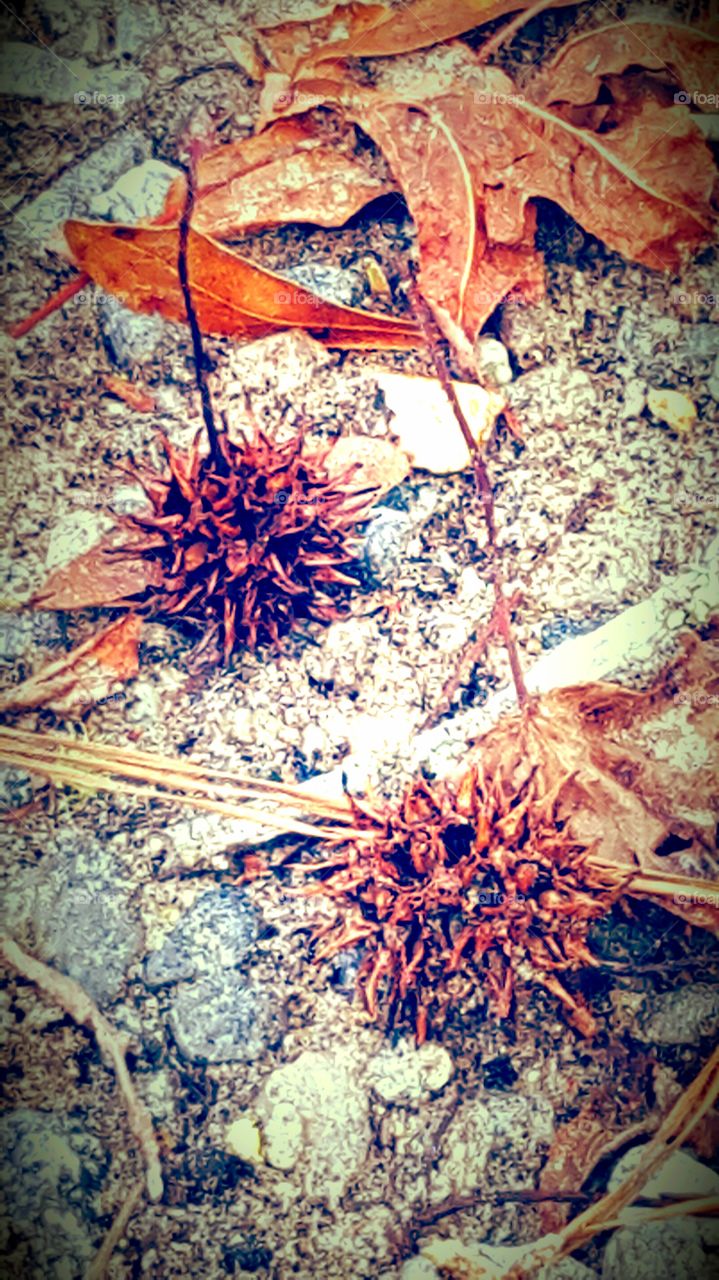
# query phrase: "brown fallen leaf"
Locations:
[[462, 273], [288, 173], [471, 155], [645, 189], [232, 296], [137, 397], [632, 777], [87, 675], [370, 31], [99, 577], [577, 1147], [688, 56]]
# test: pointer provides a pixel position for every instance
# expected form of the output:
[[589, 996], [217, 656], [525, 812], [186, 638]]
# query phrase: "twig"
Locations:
[[471, 653], [111, 1043], [52, 304], [495, 42], [483, 486], [613, 1210], [98, 1267], [198, 350]]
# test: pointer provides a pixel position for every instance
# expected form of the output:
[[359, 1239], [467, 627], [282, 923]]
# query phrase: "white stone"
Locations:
[[409, 1073], [34, 71], [70, 196], [680, 1175], [419, 1269], [242, 1138], [425, 424], [138, 193], [315, 1115], [493, 363]]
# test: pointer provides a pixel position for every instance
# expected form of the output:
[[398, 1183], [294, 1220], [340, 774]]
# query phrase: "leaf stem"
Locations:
[[483, 487], [198, 350]]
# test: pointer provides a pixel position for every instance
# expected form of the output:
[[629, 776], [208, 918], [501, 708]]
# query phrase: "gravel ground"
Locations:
[[335, 1173]]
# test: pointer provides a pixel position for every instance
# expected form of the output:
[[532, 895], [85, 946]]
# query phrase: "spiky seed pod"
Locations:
[[462, 881], [249, 543]]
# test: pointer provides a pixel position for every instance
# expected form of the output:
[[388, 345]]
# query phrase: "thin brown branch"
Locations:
[[112, 1044], [198, 350], [57, 300], [99, 1265], [503, 36], [474, 649], [483, 486]]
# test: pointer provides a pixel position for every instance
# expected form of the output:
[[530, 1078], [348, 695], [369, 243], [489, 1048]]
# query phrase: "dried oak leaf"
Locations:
[[370, 31], [633, 775], [97, 578], [232, 296], [471, 155], [88, 674], [288, 173], [644, 189], [463, 274], [679, 53]]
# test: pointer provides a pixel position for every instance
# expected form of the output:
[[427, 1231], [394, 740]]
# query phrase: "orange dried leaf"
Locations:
[[288, 173], [97, 577], [370, 31], [137, 397], [677, 52], [232, 296], [86, 675]]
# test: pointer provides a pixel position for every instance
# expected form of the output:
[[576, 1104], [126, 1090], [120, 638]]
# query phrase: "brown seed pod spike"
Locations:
[[250, 541], [461, 887]]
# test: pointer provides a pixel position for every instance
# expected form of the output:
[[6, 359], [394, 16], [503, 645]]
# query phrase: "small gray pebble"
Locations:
[[336, 284], [385, 546], [88, 931], [15, 788], [216, 934], [15, 635], [130, 339], [679, 1017], [221, 1018]]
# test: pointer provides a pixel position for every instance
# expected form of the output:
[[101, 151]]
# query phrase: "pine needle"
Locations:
[[93, 767]]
